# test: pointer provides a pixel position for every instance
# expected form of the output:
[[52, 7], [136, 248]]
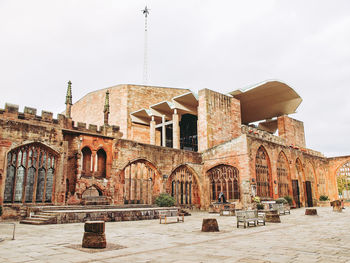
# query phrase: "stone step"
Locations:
[[33, 222], [42, 217]]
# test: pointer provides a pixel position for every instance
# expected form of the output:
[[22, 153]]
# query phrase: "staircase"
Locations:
[[41, 218]]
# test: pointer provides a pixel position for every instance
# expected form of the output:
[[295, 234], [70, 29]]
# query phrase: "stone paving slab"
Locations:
[[299, 238]]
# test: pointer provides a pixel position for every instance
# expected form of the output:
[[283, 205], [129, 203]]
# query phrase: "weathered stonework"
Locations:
[[120, 166]]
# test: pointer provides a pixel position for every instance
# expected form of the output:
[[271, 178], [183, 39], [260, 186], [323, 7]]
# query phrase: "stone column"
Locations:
[[152, 132], [163, 132], [176, 130]]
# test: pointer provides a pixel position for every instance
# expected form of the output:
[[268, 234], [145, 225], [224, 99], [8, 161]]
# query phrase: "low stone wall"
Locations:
[[108, 215]]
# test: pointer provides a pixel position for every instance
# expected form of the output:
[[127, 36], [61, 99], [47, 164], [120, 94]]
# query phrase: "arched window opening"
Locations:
[[343, 181], [101, 163], [262, 172], [224, 178], [92, 191], [184, 186], [86, 165], [140, 183], [282, 175], [30, 174]]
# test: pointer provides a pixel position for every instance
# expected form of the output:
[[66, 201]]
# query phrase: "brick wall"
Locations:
[[219, 119], [291, 130]]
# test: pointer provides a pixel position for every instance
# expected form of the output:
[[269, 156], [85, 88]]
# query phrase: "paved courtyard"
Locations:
[[299, 238]]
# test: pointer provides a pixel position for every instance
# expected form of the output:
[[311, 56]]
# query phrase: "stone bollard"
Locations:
[[210, 225], [311, 212], [94, 235], [337, 206]]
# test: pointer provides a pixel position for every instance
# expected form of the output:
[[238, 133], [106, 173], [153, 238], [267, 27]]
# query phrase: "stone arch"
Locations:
[[101, 157], [310, 175], [142, 182], [30, 174], [92, 190], [263, 173], [183, 185], [343, 178], [283, 175], [224, 178]]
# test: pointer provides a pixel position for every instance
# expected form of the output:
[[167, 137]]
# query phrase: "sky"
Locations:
[[219, 45]]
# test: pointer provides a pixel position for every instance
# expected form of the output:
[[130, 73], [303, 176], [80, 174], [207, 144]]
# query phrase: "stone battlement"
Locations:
[[264, 135], [11, 112]]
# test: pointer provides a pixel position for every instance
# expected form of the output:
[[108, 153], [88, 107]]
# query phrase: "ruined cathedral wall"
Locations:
[[164, 160], [335, 163], [17, 129], [233, 153], [313, 166]]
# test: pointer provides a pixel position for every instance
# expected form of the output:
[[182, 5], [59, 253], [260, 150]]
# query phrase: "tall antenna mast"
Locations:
[[145, 58]]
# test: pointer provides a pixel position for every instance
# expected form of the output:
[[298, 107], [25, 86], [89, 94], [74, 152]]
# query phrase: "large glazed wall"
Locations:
[[219, 119]]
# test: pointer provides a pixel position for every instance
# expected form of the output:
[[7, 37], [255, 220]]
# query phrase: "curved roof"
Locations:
[[266, 100]]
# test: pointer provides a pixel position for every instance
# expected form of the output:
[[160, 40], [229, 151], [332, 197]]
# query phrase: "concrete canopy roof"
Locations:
[[267, 100]]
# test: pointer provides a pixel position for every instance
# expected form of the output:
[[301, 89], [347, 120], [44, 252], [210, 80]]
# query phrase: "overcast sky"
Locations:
[[220, 45]]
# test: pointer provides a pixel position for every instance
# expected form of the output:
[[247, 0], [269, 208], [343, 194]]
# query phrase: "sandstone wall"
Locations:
[[219, 119]]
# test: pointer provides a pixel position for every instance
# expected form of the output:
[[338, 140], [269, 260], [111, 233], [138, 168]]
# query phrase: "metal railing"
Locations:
[[14, 228]]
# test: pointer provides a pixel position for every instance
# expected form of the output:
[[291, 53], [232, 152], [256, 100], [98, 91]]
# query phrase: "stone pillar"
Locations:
[[94, 235], [176, 130], [163, 132], [152, 132]]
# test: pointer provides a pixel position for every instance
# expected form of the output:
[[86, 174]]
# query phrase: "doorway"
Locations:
[[308, 194], [296, 193]]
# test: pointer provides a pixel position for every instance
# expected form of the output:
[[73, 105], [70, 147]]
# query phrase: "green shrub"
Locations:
[[281, 200], [256, 199], [324, 198], [259, 206], [165, 200], [289, 199]]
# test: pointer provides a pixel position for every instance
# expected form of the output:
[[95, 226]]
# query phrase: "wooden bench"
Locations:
[[249, 217], [281, 209], [168, 215]]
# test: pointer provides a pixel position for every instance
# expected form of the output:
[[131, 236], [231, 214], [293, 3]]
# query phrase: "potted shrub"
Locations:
[[323, 201], [281, 200], [289, 199]]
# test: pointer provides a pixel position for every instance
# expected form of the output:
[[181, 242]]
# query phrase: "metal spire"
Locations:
[[69, 93], [145, 12]]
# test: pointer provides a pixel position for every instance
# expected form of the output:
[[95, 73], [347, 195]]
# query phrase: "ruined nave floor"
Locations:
[[299, 238]]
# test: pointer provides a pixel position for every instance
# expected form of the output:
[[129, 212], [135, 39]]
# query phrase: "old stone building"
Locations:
[[128, 143]]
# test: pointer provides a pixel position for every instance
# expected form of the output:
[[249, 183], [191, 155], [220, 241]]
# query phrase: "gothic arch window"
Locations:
[[262, 171], [282, 175], [184, 186], [86, 165], [30, 174], [101, 163], [140, 183], [224, 178], [343, 180]]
